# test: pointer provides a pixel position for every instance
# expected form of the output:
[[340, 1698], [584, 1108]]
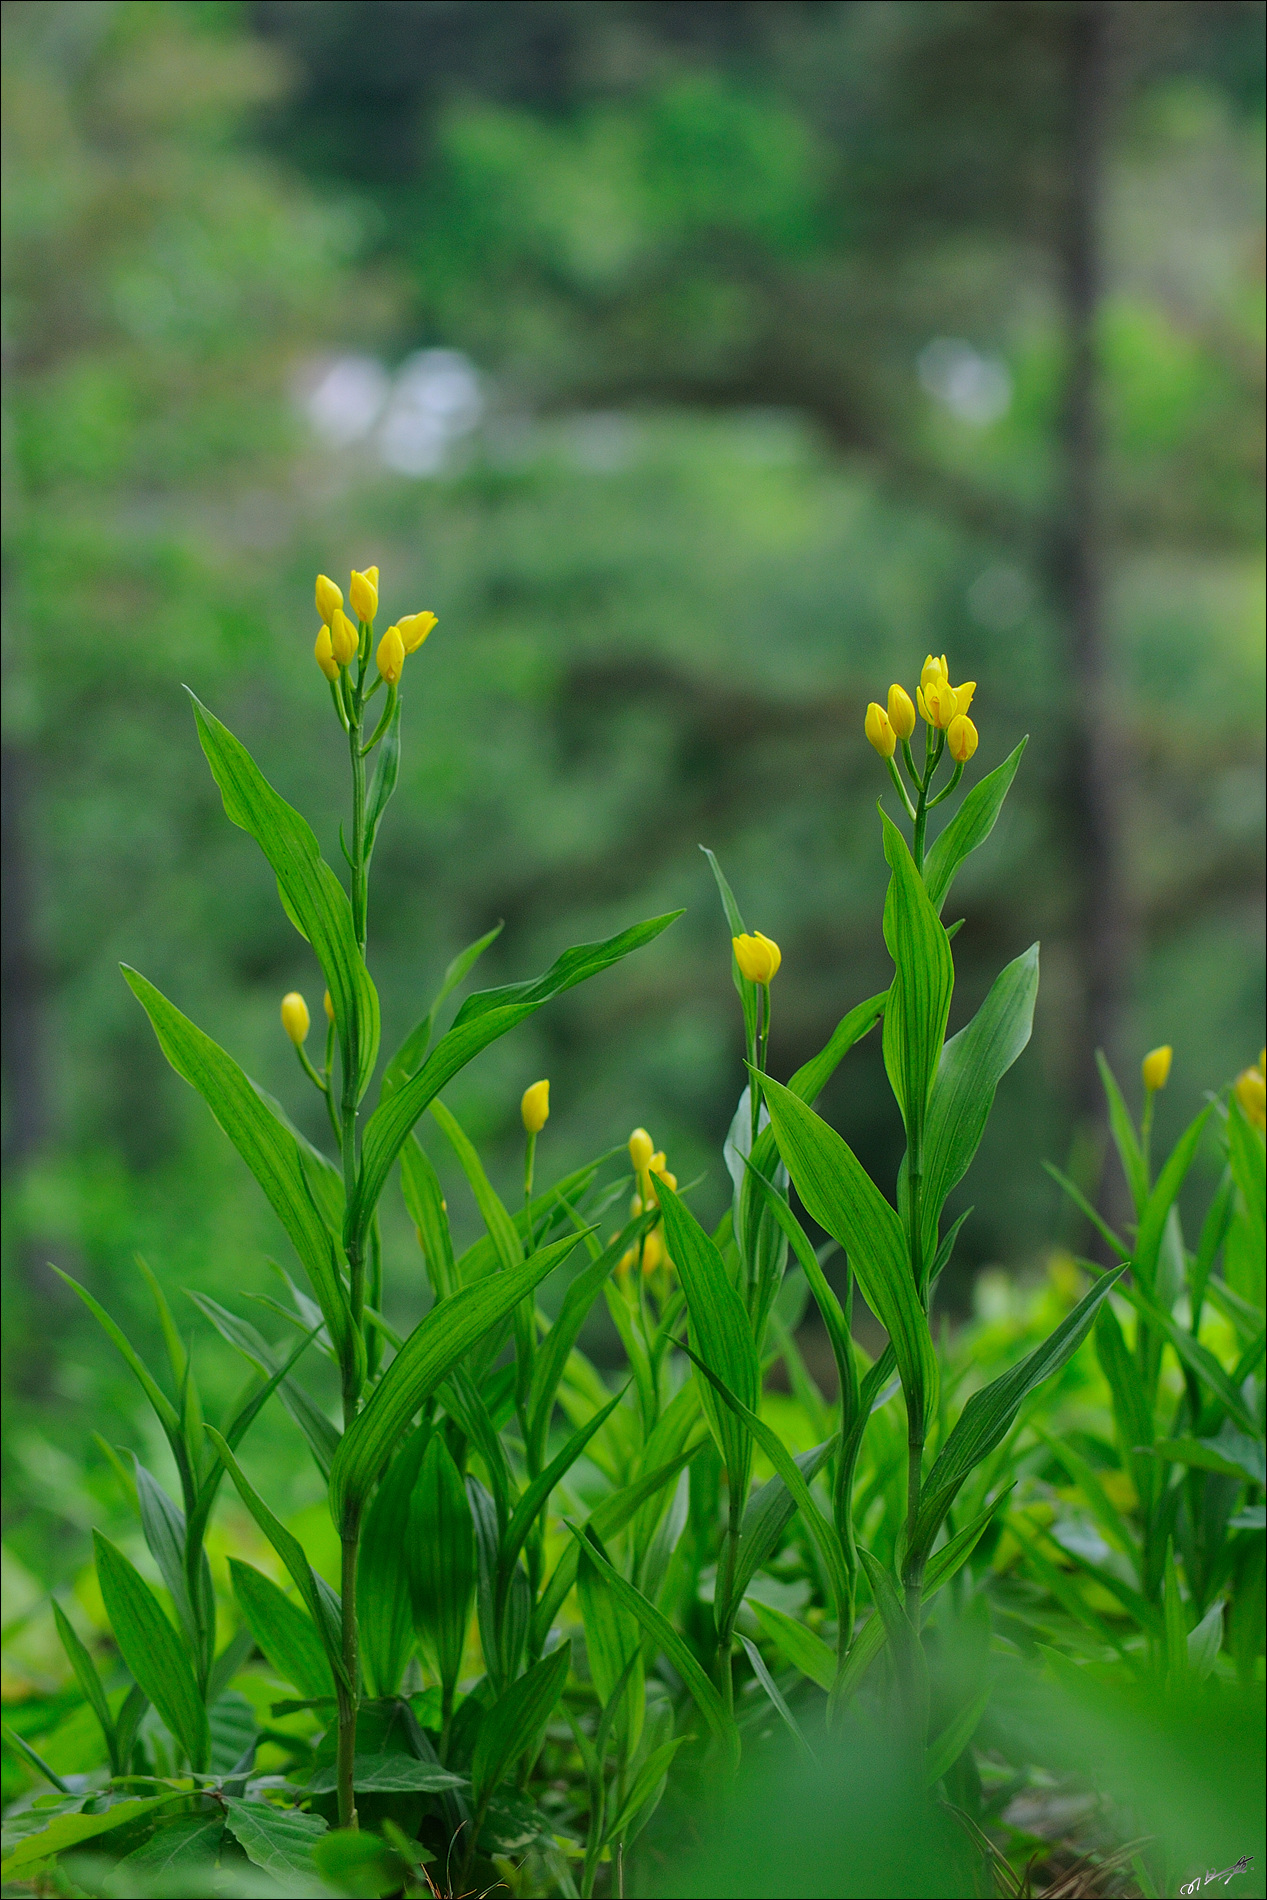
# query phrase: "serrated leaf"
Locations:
[[280, 1840], [516, 1722], [72, 1830], [267, 1147], [317, 899], [392, 1773], [970, 827], [176, 1850], [285, 1633], [423, 1363], [152, 1650], [480, 1021]]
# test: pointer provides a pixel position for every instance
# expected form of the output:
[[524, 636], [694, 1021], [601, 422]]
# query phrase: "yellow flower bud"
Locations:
[[652, 1251], [323, 654], [635, 1206], [640, 1149], [391, 657], [295, 1018], [901, 712], [329, 1006], [758, 956], [1251, 1093], [879, 731], [535, 1107], [1155, 1068], [414, 628], [329, 598], [668, 1177], [961, 739], [940, 703], [344, 639], [934, 671], [963, 695], [363, 593]]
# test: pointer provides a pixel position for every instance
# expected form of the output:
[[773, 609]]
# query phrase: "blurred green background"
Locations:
[[702, 366]]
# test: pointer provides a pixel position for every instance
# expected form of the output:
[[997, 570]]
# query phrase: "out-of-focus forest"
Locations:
[[702, 366]]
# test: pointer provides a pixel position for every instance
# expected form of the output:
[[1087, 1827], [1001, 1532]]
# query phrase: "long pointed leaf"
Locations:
[[924, 976], [414, 1048], [970, 826], [153, 1651], [286, 1634], [516, 1723]]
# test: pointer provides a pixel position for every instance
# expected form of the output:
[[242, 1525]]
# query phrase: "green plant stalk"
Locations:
[[726, 1584]]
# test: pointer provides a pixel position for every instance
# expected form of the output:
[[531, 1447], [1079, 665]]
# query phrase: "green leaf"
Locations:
[[721, 1332], [498, 1222], [776, 1697], [971, 1067], [89, 1681], [280, 1840], [919, 1001], [1156, 1211], [804, 1650], [168, 1417], [72, 1830], [1202, 1361], [413, 1049], [746, 991], [383, 1571], [321, 1603], [321, 1435], [425, 1360], [442, 1562], [538, 1492], [1125, 1138], [769, 1512], [908, 1654], [954, 1738], [613, 1644], [268, 1148], [516, 1723], [314, 894], [23, 1750], [1231, 1453], [386, 772], [1247, 1156], [843, 1199], [647, 1787], [176, 1852], [550, 1360], [163, 1527], [989, 1413], [666, 1638], [391, 1773], [813, 1076], [285, 1633], [234, 1731], [481, 1020], [970, 826], [824, 1298], [424, 1197], [152, 1650], [1205, 1641]]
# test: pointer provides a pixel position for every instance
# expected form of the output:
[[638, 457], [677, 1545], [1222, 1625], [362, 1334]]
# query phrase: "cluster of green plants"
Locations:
[[571, 1612]]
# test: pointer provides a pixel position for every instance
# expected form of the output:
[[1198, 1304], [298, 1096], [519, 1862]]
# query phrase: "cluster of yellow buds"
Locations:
[[758, 956], [1250, 1088], [338, 641], [942, 707], [650, 1165]]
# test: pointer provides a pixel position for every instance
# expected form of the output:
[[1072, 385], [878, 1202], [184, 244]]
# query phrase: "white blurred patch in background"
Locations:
[[412, 420], [977, 389]]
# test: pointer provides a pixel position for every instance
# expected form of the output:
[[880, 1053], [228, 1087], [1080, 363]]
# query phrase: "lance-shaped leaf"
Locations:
[[424, 1197], [970, 826], [500, 1226], [319, 1599], [535, 1497], [166, 1413], [322, 1436], [424, 1362], [776, 1697], [386, 772], [746, 991], [813, 1076], [315, 899], [152, 1650], [770, 1511], [1156, 1210], [89, 1681], [808, 1653], [285, 1633], [413, 1049], [383, 1573], [553, 1353], [662, 1633], [919, 1001], [841, 1196], [481, 1020], [1125, 1139], [613, 1643], [971, 1067], [721, 1334], [442, 1563], [908, 1654], [987, 1417], [268, 1148], [516, 1723], [163, 1526]]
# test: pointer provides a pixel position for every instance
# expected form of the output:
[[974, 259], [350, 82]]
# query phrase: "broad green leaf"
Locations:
[[557, 1203], [387, 1774], [321, 1603], [919, 1001], [988, 1415], [1232, 1453], [163, 1527], [970, 826], [284, 1632], [971, 1067], [647, 1787], [234, 1732], [442, 1564], [954, 1738], [804, 1650], [322, 1436], [268, 1148], [425, 1360], [152, 1650], [613, 1644], [1156, 1211], [1205, 1641], [463, 1400], [176, 1852], [317, 900], [232, 1659], [721, 1334], [481, 1020], [824, 1298], [776, 1697], [424, 1197], [279, 1840], [516, 1723], [383, 1605], [414, 1048], [840, 1195], [1125, 1139], [813, 1076], [72, 1830], [85, 1672], [498, 1222], [662, 1633]]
